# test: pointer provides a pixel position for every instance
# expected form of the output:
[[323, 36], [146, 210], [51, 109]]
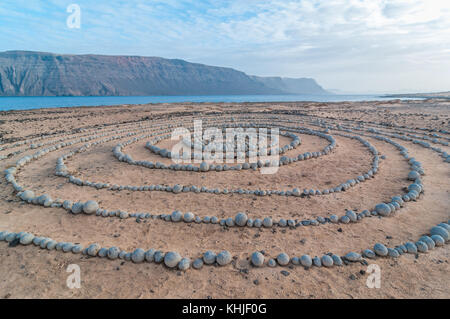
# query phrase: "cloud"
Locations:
[[349, 44]]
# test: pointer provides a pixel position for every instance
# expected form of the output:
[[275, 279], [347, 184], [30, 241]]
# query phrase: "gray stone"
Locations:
[[327, 261], [197, 264], [113, 253], [257, 259], [421, 246], [411, 247], [93, 249], [438, 240], [223, 258], [271, 263], [184, 264], [383, 209], [283, 259], [369, 253], [171, 259], [241, 219], [337, 260], [429, 241], [380, 249], [353, 257], [158, 257], [26, 239], [188, 217], [90, 207], [306, 261], [176, 216], [441, 231], [138, 255], [267, 222], [209, 257]]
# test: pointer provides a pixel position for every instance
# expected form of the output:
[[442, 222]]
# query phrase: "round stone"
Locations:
[[257, 259], [103, 252], [184, 264], [306, 261], [171, 259], [113, 253], [383, 209], [411, 247], [393, 253], [283, 259], [438, 240], [267, 222], [271, 263], [441, 231], [77, 208], [380, 249], [351, 215], [138, 255], [317, 262], [241, 219], [176, 216], [204, 167], [428, 240], [26, 239], [197, 264], [421, 246], [158, 257], [327, 261], [337, 261], [27, 195], [90, 207], [209, 257], [413, 175], [368, 253], [149, 254], [93, 249], [353, 257], [188, 217], [223, 258]]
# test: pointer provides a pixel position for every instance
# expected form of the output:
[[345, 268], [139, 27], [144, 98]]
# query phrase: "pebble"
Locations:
[[90, 207], [353, 257], [380, 249], [306, 261], [441, 231], [197, 264], [209, 257], [283, 259], [327, 261], [138, 255], [257, 259], [411, 247], [241, 219], [171, 259], [184, 264], [438, 240], [223, 258]]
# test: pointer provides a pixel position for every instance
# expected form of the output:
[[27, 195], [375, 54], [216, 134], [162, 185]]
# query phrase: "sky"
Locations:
[[353, 46]]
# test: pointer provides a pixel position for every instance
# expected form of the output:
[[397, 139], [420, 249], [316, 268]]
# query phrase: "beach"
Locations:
[[32, 272]]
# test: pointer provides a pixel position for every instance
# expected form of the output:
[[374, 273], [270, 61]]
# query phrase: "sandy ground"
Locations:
[[29, 272]]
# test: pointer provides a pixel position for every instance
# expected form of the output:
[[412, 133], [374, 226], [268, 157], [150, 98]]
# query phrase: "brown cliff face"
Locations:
[[25, 73]]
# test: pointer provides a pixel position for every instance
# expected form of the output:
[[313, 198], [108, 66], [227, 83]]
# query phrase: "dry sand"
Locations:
[[29, 272]]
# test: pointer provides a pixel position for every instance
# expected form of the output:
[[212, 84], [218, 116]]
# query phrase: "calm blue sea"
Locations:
[[37, 102]]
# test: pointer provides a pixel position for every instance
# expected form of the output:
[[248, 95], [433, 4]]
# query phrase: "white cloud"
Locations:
[[348, 44]]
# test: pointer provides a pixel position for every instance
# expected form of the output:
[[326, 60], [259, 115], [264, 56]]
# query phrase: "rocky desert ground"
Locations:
[[321, 202]]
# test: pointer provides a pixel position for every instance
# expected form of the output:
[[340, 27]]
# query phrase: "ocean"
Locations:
[[37, 102]]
